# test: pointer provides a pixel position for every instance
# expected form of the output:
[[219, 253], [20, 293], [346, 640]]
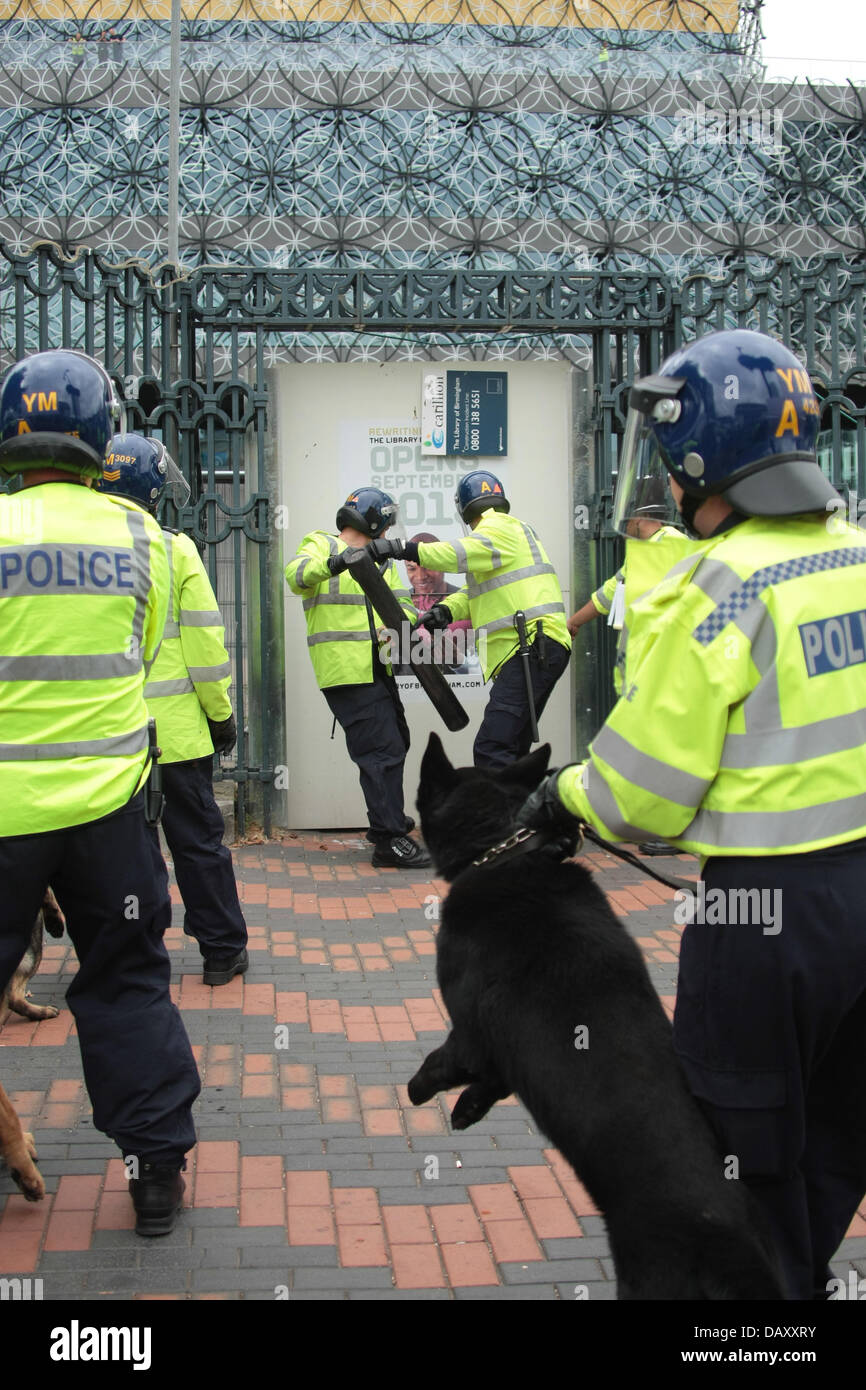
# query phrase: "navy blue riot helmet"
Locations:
[[368, 510], [140, 469], [733, 414], [478, 491], [58, 409]]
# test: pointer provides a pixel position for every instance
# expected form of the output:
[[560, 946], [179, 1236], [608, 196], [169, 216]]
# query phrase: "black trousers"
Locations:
[[193, 827], [770, 1026], [111, 882], [506, 733], [377, 740]]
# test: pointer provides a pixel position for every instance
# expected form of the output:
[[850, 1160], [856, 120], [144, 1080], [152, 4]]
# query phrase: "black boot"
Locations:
[[157, 1195], [218, 970]]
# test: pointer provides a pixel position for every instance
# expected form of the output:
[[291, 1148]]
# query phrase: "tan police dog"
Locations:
[[16, 1145]]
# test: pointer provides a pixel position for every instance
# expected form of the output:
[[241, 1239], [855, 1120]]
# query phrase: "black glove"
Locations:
[[437, 616], [393, 550], [337, 563], [544, 810], [224, 733]]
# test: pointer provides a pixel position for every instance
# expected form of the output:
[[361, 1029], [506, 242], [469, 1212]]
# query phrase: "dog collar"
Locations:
[[523, 841]]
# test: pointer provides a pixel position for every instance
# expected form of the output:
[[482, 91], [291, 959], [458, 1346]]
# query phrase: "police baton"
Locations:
[[154, 799], [523, 648]]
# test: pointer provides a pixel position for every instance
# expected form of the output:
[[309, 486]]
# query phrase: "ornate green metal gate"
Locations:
[[192, 354]]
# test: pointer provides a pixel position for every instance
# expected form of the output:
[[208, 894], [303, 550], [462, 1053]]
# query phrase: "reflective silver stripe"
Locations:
[[654, 776], [783, 747], [402, 593], [778, 829], [498, 581], [96, 667], [538, 612], [338, 637], [713, 577], [171, 629], [358, 600], [460, 551], [299, 572], [750, 589], [117, 746], [153, 690], [136, 521], [334, 581], [602, 803], [210, 673], [495, 556], [762, 708], [601, 598], [532, 542], [200, 619]]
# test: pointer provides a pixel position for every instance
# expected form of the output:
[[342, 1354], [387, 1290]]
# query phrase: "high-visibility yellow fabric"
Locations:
[[338, 624], [83, 597], [742, 730], [644, 568], [190, 679], [508, 572]]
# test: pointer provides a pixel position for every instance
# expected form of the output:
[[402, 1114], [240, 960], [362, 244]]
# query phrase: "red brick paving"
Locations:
[[362, 928]]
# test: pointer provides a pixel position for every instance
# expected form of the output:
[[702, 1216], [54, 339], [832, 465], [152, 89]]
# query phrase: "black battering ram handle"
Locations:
[[523, 648], [366, 575]]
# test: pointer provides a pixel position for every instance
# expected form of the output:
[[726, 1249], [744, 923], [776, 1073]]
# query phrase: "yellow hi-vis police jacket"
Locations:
[[742, 728], [83, 596], [508, 572], [190, 679], [611, 604], [338, 626]]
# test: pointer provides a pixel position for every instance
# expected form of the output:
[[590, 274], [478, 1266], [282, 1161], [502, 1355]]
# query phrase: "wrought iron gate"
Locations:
[[191, 355]]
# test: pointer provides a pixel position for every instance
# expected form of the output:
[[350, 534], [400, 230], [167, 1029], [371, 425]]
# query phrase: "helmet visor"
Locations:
[[643, 491], [176, 485]]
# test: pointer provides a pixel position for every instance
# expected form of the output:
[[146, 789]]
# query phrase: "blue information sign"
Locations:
[[477, 413]]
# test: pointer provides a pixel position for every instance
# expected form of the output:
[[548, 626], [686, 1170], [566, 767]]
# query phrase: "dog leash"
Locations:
[[525, 841]]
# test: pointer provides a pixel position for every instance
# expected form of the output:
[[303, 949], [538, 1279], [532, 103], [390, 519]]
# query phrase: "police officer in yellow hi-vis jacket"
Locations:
[[352, 671], [646, 523], [743, 739], [187, 693], [507, 571], [83, 596]]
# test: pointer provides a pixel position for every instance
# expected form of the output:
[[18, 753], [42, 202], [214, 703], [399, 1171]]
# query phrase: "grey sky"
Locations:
[[815, 38]]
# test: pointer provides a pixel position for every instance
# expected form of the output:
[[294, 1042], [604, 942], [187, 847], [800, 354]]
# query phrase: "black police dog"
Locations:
[[550, 999]]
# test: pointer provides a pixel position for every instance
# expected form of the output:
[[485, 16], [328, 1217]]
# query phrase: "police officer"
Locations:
[[83, 595], [743, 740], [187, 693], [357, 683], [647, 523], [508, 571]]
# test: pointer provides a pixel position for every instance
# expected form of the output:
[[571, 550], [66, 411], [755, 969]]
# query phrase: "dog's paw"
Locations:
[[37, 1013], [30, 1181], [470, 1107], [23, 1170], [419, 1089]]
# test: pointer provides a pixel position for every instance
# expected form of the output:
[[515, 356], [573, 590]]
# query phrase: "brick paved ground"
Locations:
[[313, 1177]]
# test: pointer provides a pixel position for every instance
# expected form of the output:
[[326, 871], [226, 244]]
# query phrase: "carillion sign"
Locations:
[[465, 413]]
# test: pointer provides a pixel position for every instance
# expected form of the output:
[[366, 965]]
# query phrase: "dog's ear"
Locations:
[[527, 772], [437, 774]]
